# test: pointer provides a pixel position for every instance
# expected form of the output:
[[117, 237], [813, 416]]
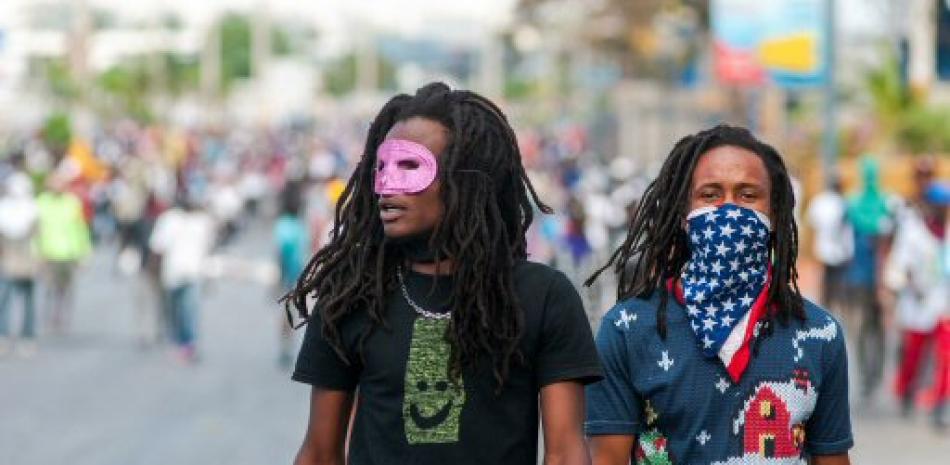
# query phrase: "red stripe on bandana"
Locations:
[[740, 360]]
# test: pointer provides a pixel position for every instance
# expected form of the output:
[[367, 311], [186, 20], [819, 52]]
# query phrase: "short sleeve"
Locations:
[[319, 365], [829, 428], [567, 349], [158, 241], [613, 406]]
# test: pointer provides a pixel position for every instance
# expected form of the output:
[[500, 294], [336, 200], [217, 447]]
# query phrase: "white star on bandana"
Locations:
[[721, 287]]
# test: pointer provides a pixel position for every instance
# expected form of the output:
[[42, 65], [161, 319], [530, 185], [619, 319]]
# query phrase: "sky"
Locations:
[[341, 22], [337, 16]]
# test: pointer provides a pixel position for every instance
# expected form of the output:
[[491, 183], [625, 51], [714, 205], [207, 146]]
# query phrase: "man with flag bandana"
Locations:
[[711, 355]]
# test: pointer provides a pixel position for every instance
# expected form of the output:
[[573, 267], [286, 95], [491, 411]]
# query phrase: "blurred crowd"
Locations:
[[164, 201], [885, 263], [166, 204]]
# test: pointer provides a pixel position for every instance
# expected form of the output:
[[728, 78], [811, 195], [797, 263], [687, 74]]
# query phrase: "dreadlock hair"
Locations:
[[656, 247], [489, 205]]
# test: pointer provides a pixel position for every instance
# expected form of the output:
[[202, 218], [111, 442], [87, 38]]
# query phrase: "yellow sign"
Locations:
[[793, 53]]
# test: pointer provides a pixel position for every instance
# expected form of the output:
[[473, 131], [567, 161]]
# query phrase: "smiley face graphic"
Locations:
[[432, 403]]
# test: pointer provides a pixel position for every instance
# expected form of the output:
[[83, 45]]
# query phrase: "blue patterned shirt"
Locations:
[[792, 402]]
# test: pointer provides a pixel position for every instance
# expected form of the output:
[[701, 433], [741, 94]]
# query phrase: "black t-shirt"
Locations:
[[409, 412]]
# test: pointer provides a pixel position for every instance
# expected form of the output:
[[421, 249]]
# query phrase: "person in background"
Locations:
[[63, 240], [18, 260], [833, 244], [129, 201], [938, 194], [575, 237], [871, 216], [292, 242], [711, 354], [226, 206], [914, 272], [183, 237]]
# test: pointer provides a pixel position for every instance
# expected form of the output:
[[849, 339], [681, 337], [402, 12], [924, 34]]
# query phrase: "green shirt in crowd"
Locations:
[[62, 231]]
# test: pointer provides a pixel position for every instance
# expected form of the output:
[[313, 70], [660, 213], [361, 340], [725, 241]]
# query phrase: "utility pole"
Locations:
[[492, 66], [77, 46], [78, 41], [260, 58], [260, 40], [367, 62], [156, 66], [829, 146], [211, 62]]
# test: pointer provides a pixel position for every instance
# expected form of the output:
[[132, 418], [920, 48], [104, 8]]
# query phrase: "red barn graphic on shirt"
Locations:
[[772, 420], [767, 430]]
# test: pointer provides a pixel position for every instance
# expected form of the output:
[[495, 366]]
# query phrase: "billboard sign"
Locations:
[[778, 41]]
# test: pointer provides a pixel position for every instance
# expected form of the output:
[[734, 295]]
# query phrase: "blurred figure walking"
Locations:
[[938, 195], [183, 238], [227, 205], [63, 240], [292, 243], [18, 260], [918, 272], [833, 243], [914, 272], [871, 219]]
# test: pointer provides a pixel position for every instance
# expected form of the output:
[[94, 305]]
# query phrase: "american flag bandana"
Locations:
[[725, 281]]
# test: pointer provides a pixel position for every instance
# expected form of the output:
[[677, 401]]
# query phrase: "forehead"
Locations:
[[730, 165], [432, 134]]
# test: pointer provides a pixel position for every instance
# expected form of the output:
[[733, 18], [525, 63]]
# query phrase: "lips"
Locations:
[[390, 210]]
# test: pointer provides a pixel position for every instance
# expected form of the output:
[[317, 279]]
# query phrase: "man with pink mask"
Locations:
[[711, 355], [424, 302]]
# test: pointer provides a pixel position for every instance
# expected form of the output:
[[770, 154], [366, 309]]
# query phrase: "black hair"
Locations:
[[489, 204], [656, 247], [291, 198]]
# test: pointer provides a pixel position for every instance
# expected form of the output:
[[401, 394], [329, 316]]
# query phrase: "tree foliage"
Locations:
[[904, 117], [340, 75], [57, 132], [126, 87], [237, 46]]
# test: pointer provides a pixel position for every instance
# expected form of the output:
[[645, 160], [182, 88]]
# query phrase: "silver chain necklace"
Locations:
[[421, 311]]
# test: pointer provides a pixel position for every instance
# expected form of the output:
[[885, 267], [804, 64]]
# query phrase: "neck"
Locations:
[[419, 252], [442, 267]]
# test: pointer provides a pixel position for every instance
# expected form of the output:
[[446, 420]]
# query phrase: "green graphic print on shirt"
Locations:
[[432, 404]]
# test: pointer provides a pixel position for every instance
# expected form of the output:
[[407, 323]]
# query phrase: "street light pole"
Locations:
[[830, 137]]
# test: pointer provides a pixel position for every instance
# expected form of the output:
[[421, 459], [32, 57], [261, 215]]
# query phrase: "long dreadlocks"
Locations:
[[657, 247], [489, 205]]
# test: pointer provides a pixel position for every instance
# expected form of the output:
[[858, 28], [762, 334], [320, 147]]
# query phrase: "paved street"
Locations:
[[96, 397]]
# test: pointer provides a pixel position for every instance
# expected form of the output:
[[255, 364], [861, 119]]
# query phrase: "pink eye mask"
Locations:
[[404, 167]]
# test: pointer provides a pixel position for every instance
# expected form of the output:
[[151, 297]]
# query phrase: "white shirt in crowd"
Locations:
[[184, 239], [914, 270], [834, 238], [226, 202]]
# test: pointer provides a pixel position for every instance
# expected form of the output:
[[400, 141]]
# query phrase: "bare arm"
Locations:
[[611, 449], [326, 431], [838, 459], [562, 416]]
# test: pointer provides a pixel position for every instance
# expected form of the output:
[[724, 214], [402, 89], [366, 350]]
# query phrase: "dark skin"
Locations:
[[421, 212], [725, 174], [733, 175], [326, 432], [562, 403]]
